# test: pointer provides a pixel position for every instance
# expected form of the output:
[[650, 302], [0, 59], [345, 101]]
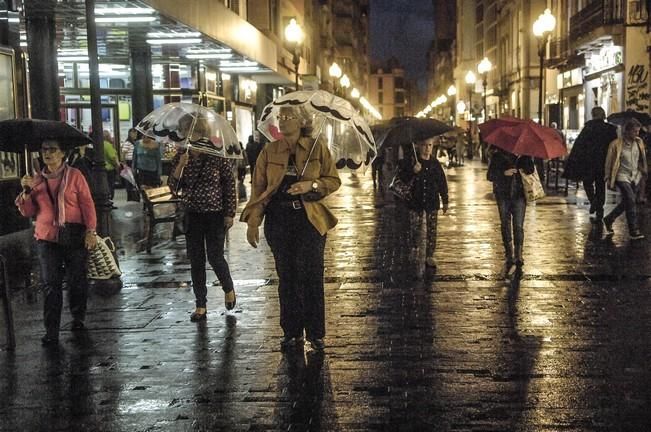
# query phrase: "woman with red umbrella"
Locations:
[[504, 172]]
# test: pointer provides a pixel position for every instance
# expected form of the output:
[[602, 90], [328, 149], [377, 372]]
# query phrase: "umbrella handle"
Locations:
[[413, 146]]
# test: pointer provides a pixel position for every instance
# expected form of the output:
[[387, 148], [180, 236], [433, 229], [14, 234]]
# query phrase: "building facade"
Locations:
[[388, 90]]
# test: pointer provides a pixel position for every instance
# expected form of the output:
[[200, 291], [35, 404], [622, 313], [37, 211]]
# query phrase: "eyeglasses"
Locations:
[[286, 117], [49, 149]]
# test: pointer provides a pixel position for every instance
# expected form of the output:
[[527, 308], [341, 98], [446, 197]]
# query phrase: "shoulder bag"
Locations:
[[533, 189]]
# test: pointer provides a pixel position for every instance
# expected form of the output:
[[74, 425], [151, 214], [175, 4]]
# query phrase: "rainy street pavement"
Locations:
[[566, 348]]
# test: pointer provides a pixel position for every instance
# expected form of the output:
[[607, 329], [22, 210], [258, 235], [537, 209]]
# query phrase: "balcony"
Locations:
[[596, 15]]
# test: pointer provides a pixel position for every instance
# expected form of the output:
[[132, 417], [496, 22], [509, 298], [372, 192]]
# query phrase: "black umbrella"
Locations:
[[25, 135], [621, 117], [19, 135], [403, 131]]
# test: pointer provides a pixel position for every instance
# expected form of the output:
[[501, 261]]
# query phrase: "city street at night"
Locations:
[[564, 348]]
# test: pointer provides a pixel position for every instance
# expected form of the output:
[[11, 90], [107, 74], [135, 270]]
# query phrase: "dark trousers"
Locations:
[[206, 236], [512, 213], [595, 189], [627, 204], [110, 178], [298, 250], [57, 262]]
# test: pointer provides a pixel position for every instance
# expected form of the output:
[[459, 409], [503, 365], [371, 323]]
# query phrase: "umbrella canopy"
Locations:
[[526, 138], [489, 126], [349, 137], [404, 131], [621, 117], [191, 125], [19, 135]]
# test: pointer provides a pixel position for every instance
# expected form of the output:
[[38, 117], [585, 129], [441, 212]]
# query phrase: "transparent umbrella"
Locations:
[[191, 125], [332, 118]]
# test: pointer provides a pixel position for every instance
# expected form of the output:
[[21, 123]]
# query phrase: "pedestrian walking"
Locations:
[[504, 172], [207, 189], [429, 194], [625, 166], [126, 153], [588, 157], [60, 200], [291, 178], [253, 148]]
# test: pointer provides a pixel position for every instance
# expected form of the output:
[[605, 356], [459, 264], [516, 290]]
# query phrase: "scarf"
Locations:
[[59, 206]]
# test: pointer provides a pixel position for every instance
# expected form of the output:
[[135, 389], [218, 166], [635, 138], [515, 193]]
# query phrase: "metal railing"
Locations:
[[597, 14]]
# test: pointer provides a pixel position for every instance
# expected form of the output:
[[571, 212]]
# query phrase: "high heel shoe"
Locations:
[[229, 299]]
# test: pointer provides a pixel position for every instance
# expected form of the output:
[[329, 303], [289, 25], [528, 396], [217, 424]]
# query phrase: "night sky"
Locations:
[[404, 29]]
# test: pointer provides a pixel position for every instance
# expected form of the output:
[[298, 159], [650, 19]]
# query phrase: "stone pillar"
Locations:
[[42, 49], [142, 95]]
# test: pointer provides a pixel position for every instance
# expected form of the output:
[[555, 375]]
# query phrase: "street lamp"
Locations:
[[470, 84], [335, 74], [452, 91], [294, 36], [354, 93], [345, 83], [542, 28], [483, 68]]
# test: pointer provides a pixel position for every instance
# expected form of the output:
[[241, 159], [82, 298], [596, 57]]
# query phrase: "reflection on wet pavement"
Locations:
[[565, 347]]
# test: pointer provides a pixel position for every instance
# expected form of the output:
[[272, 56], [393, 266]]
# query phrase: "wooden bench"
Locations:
[[160, 206]]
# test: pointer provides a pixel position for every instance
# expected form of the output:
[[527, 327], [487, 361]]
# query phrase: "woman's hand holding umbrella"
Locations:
[[27, 182]]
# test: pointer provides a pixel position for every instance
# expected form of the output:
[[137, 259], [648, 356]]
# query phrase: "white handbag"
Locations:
[[533, 188], [101, 261]]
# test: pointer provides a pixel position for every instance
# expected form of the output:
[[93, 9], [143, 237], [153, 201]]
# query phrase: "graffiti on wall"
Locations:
[[637, 88]]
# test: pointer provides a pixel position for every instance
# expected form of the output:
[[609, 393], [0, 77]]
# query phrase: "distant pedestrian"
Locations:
[[111, 163], [207, 184], [147, 163], [60, 200], [377, 170], [625, 166], [503, 171], [126, 154], [588, 157], [429, 194], [253, 148], [292, 176]]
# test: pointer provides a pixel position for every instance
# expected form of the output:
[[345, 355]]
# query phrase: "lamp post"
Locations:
[[542, 28], [294, 36], [483, 68], [452, 91], [470, 83], [335, 74], [345, 83]]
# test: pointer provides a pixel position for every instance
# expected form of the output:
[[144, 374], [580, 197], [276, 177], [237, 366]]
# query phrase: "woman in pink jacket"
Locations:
[[60, 200]]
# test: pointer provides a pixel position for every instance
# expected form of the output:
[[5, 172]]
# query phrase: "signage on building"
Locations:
[[606, 58], [569, 78], [636, 91]]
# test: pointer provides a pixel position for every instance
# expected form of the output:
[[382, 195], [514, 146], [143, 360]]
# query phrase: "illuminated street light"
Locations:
[[294, 36], [470, 84], [452, 90], [542, 28], [483, 68], [345, 82], [354, 93]]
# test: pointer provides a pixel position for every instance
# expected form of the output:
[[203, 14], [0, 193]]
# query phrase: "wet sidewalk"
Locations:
[[566, 348]]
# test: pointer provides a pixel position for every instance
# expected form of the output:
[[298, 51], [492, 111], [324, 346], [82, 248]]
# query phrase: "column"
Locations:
[[42, 49], [142, 94]]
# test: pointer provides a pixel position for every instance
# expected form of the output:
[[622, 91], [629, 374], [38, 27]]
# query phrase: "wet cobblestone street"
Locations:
[[565, 348]]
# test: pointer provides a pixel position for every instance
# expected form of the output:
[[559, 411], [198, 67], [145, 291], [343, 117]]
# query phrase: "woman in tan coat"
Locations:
[[287, 192]]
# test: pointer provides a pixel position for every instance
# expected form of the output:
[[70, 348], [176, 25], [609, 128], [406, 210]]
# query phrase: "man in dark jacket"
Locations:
[[587, 158], [253, 148]]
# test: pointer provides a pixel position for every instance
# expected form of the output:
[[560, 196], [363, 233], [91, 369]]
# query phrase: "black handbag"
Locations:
[[71, 235], [402, 190]]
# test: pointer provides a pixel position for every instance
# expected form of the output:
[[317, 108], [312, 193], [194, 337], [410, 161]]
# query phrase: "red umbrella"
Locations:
[[527, 138], [489, 126]]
